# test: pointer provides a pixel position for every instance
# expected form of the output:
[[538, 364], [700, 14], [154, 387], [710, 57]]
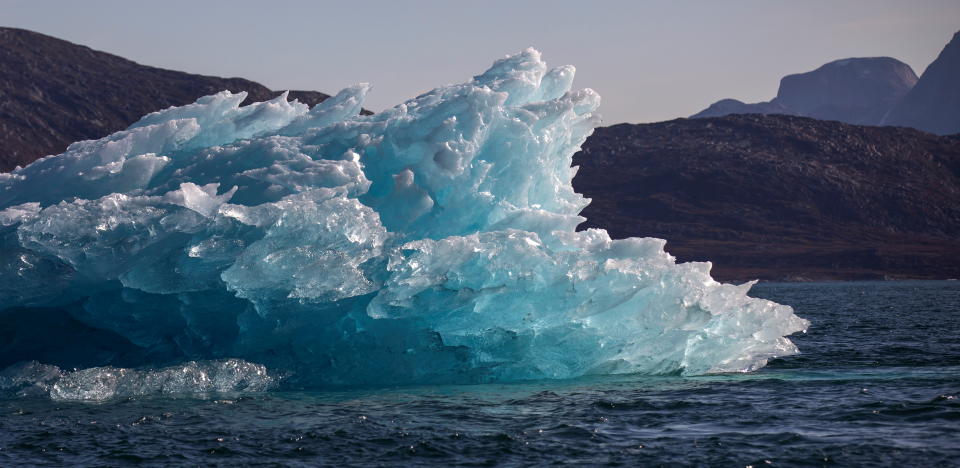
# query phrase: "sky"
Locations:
[[649, 60]]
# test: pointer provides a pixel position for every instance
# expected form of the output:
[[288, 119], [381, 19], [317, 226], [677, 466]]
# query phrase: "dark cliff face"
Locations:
[[779, 197], [855, 90], [53, 92], [933, 104]]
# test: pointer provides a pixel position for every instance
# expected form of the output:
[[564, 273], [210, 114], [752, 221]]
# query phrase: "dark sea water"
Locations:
[[878, 384]]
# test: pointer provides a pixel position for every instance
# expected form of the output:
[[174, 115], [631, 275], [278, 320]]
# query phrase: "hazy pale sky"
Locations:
[[650, 60]]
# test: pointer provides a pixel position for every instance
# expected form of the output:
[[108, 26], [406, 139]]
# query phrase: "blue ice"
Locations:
[[432, 242]]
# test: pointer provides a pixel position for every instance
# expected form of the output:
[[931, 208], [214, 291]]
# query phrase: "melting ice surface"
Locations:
[[433, 242]]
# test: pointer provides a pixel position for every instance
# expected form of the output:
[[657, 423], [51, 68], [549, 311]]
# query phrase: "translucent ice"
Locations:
[[103, 383], [432, 242]]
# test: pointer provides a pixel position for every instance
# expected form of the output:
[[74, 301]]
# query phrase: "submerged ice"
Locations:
[[433, 242], [103, 383]]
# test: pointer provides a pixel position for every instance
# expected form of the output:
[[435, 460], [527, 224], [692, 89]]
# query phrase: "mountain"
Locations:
[[53, 92], [733, 106], [854, 90], [933, 104], [781, 197]]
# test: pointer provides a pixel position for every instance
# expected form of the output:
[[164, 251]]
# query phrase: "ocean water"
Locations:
[[877, 384]]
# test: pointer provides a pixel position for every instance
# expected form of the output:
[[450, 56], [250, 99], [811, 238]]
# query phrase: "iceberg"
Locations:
[[433, 242]]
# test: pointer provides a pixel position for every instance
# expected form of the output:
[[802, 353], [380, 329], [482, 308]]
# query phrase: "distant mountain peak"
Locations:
[[858, 90], [933, 105], [853, 90]]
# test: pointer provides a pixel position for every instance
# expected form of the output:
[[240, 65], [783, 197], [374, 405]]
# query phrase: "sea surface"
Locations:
[[877, 384]]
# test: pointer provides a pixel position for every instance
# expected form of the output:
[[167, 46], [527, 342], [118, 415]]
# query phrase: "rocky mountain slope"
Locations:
[[781, 197], [855, 90], [53, 92], [933, 104]]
